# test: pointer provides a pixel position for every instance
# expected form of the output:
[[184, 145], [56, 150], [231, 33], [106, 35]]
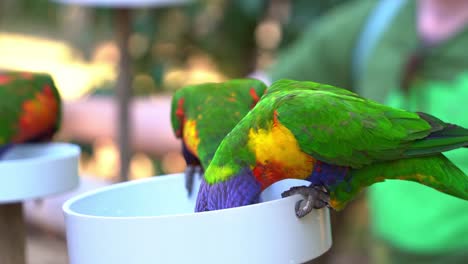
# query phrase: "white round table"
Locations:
[[26, 172]]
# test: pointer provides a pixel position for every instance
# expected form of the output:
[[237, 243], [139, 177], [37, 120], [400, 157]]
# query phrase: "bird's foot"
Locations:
[[314, 197], [190, 173]]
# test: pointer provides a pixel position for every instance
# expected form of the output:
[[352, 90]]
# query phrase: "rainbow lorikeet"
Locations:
[[202, 115], [30, 109], [338, 141]]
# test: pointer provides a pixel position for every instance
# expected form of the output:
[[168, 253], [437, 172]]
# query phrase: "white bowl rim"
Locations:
[[69, 203]]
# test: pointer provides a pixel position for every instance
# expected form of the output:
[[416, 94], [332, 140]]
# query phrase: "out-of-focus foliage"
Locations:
[[304, 12], [227, 28], [27, 14], [166, 38]]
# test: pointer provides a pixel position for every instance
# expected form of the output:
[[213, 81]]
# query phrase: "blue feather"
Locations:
[[4, 149]]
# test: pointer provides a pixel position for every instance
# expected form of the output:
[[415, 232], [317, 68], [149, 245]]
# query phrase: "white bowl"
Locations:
[[35, 170], [151, 221]]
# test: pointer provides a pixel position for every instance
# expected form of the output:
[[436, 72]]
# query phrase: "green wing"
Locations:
[[341, 128], [379, 142], [286, 85], [216, 109]]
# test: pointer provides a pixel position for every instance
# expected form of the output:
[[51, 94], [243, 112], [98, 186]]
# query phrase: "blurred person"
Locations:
[[412, 55]]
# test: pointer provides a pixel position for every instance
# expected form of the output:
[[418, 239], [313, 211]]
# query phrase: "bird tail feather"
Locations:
[[444, 137]]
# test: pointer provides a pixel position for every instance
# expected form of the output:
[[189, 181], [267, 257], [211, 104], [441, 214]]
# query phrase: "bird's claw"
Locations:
[[314, 197], [190, 172]]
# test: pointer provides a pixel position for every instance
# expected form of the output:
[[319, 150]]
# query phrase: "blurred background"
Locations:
[[207, 40], [169, 47]]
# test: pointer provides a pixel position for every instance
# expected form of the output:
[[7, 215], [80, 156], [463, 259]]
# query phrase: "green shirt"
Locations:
[[408, 215]]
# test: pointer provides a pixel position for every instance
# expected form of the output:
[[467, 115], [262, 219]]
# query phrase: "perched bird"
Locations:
[[30, 109], [202, 115], [338, 141]]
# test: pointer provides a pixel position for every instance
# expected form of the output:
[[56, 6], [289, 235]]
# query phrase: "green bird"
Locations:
[[202, 115], [30, 109], [336, 140]]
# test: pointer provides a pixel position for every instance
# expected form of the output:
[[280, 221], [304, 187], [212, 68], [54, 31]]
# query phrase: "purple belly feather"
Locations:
[[239, 190]]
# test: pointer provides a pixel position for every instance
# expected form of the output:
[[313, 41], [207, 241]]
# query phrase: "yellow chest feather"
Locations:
[[190, 136], [277, 152]]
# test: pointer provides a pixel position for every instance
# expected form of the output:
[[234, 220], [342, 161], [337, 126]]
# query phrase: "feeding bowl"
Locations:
[[152, 221], [30, 171]]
